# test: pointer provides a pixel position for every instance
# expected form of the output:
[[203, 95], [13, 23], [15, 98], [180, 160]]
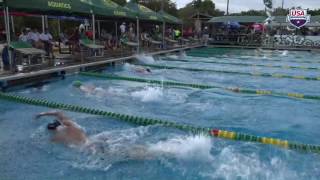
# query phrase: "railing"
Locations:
[[237, 39], [296, 41], [261, 40]]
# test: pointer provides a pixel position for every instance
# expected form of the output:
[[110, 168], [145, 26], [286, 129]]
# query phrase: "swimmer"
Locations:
[[142, 70], [67, 132], [90, 89], [64, 129]]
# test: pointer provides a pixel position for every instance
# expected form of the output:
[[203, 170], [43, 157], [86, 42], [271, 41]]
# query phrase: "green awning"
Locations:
[[240, 19], [108, 8], [169, 18], [50, 6], [143, 12], [98, 7]]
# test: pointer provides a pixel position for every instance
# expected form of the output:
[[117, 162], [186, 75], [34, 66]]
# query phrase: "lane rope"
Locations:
[[201, 86], [149, 121], [278, 76], [206, 55], [243, 64]]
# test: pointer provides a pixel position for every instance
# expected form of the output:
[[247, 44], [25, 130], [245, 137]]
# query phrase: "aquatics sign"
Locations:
[[119, 13], [59, 5], [298, 17]]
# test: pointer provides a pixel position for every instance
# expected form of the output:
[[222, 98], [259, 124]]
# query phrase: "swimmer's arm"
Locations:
[[59, 115]]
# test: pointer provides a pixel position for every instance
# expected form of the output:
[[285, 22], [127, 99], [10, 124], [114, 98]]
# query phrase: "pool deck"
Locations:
[[5, 79]]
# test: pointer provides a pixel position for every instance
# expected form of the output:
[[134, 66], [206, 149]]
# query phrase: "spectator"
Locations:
[[46, 38], [110, 41], [23, 36], [63, 37], [34, 39], [205, 36], [132, 35], [123, 28], [74, 40]]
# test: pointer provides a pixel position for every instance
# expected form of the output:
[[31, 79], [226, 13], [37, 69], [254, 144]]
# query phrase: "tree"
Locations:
[[198, 6], [250, 13], [315, 12], [201, 6], [280, 12], [168, 6]]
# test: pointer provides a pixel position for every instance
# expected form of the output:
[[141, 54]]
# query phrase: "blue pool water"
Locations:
[[27, 153]]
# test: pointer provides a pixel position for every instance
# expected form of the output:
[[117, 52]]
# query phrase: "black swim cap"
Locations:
[[54, 125], [148, 70]]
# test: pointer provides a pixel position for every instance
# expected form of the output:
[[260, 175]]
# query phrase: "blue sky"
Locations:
[[241, 5]]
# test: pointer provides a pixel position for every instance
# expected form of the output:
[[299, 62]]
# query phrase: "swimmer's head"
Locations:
[[148, 70], [54, 125], [77, 84]]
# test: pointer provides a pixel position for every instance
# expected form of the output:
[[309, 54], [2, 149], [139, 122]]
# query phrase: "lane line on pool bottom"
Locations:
[[242, 64], [149, 121], [206, 55], [278, 76], [201, 86]]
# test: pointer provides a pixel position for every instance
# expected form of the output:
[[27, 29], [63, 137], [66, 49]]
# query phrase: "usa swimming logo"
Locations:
[[298, 17]]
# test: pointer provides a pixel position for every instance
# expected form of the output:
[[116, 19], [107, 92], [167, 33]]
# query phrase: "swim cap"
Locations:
[[54, 125], [77, 84]]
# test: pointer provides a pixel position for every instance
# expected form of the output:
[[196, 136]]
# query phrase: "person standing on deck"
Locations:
[[123, 28], [46, 38], [205, 36]]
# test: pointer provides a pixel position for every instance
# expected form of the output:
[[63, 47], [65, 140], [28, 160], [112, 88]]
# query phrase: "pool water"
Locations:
[[27, 153]]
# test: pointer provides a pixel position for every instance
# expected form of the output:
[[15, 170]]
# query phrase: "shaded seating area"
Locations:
[[25, 55], [65, 44], [149, 41], [91, 49]]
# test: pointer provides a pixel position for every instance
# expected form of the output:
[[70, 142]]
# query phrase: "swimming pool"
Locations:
[[27, 153]]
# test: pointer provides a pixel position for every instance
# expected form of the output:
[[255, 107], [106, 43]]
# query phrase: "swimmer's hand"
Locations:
[[50, 113], [38, 116], [59, 115]]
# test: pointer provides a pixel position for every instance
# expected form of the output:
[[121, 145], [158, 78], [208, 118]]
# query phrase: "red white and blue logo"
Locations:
[[298, 17]]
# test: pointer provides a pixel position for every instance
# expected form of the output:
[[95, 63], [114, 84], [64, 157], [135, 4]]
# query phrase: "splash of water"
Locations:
[[128, 67], [185, 147], [143, 58], [285, 53], [173, 56], [149, 94], [236, 165]]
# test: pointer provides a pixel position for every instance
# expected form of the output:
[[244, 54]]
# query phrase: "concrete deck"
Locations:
[[79, 67]]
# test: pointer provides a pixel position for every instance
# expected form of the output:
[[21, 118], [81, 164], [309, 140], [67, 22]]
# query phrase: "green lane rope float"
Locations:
[[235, 72], [201, 86], [207, 55], [149, 121], [244, 64]]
